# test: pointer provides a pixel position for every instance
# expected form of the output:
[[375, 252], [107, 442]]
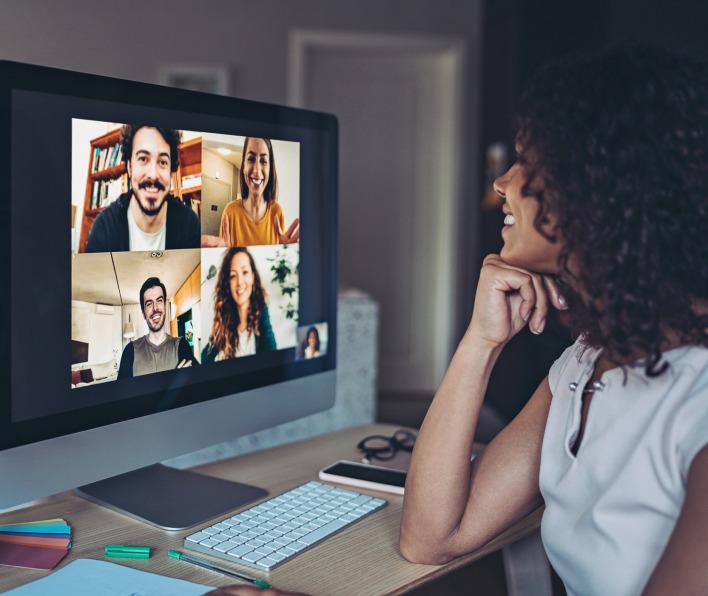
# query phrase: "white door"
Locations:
[[397, 101], [215, 196]]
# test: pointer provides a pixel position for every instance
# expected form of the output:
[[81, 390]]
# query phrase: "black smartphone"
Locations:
[[365, 476]]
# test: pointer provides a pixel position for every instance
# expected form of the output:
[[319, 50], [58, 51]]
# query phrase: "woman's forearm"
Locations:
[[452, 506], [438, 484]]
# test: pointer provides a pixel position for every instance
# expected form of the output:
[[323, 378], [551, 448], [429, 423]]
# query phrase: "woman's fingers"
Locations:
[[225, 232], [212, 241], [291, 235], [539, 314], [554, 293], [536, 291], [505, 301], [534, 305], [293, 232]]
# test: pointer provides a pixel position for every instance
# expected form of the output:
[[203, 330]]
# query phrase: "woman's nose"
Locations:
[[501, 183]]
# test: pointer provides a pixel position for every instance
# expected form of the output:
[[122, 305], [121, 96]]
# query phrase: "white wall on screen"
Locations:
[[287, 163], [82, 133], [103, 332]]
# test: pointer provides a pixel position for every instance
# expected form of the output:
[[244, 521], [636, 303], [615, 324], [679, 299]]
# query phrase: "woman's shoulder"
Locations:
[[686, 397], [208, 353], [574, 358], [687, 378], [275, 207], [233, 207], [689, 358]]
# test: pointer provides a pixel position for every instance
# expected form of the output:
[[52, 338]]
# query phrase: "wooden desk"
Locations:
[[362, 559]]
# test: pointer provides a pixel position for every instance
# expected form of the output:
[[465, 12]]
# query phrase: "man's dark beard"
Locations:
[[154, 329], [156, 210]]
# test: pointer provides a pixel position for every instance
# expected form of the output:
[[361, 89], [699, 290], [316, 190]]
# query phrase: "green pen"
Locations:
[[175, 554], [127, 552]]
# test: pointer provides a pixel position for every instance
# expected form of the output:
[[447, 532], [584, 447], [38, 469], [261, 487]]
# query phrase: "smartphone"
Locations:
[[365, 476]]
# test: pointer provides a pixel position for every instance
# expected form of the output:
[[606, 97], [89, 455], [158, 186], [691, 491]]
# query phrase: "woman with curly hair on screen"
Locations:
[[605, 218], [241, 321]]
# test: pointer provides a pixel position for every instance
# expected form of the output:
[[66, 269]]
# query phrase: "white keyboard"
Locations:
[[268, 534]]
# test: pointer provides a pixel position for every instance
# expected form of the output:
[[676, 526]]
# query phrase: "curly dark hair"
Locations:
[[615, 146], [224, 333], [172, 137]]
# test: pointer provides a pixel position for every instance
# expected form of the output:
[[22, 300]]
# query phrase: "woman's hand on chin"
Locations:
[[508, 298]]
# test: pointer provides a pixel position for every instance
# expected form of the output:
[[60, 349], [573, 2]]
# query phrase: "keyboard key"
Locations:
[[252, 557], [267, 563], [209, 543], [225, 547], [197, 537], [240, 550], [322, 532], [298, 546]]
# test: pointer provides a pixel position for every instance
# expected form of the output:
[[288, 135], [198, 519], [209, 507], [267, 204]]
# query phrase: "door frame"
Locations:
[[450, 56]]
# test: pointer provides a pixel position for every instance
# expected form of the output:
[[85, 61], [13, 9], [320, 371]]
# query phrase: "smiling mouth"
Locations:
[[151, 186], [509, 220], [256, 181]]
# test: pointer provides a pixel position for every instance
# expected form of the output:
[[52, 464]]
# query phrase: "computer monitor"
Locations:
[[88, 393]]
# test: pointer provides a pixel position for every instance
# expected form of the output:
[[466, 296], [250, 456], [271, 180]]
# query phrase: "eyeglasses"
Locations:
[[383, 447]]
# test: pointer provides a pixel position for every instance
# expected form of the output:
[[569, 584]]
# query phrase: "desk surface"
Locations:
[[362, 559]]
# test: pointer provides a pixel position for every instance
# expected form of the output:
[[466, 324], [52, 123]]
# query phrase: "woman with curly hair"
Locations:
[[605, 219], [241, 322]]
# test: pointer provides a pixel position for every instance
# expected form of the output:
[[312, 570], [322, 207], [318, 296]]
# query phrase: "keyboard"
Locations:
[[270, 533]]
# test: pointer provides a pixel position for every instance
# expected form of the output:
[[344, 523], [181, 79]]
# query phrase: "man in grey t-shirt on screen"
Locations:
[[155, 351]]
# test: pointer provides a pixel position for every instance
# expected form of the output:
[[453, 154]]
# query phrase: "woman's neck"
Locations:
[[243, 317], [255, 207]]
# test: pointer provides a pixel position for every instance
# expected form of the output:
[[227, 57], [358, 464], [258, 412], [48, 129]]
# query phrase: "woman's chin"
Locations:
[[525, 260], [514, 258]]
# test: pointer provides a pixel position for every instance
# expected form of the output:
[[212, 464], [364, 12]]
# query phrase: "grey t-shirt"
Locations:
[[150, 358]]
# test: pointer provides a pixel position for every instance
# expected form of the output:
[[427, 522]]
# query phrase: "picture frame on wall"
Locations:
[[195, 77]]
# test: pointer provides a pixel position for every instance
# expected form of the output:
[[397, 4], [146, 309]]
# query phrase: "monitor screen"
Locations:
[[194, 287]]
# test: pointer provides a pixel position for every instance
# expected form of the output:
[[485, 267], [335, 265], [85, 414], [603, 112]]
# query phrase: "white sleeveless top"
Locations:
[[611, 509]]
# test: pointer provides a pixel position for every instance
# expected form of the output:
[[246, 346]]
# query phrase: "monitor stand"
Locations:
[[169, 498]]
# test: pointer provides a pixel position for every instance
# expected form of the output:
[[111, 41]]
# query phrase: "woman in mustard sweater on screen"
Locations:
[[257, 218]]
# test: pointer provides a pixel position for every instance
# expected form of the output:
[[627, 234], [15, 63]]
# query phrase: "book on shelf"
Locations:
[[104, 192], [106, 157], [191, 181]]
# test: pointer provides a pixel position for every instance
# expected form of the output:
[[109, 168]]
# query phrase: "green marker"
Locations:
[[127, 552], [175, 554]]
